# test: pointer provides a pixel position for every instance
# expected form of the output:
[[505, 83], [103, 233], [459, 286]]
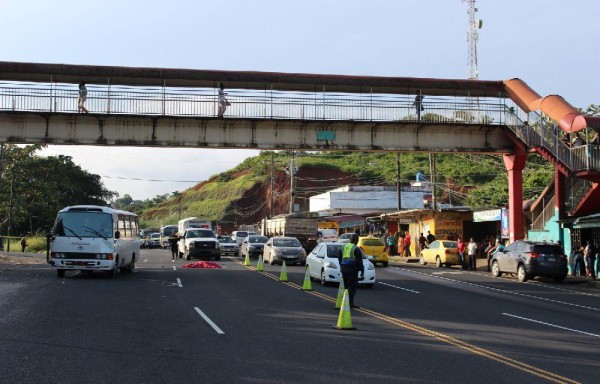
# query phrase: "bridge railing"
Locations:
[[253, 104]]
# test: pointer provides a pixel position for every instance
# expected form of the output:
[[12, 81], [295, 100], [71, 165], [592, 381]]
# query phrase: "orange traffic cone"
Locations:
[[283, 276], [307, 286], [345, 319], [340, 295]]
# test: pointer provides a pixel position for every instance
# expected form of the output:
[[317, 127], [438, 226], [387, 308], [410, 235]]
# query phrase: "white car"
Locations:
[[344, 238], [324, 265]]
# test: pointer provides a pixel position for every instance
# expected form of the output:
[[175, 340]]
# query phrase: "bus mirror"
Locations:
[[117, 234]]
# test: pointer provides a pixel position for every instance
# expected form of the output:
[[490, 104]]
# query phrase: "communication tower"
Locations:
[[472, 37]]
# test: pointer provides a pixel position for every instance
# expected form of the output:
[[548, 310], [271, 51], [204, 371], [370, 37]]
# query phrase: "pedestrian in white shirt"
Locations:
[[472, 255]]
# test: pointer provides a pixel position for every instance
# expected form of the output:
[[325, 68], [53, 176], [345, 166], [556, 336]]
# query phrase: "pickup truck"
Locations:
[[199, 243]]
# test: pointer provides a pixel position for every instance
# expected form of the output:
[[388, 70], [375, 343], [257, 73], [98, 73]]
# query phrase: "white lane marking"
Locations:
[[179, 282], [209, 321], [393, 286], [447, 273], [145, 260], [503, 290], [174, 268], [550, 325]]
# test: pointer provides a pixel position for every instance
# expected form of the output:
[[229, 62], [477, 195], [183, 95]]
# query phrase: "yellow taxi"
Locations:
[[441, 252], [375, 247]]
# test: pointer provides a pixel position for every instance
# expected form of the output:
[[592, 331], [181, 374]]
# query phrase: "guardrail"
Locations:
[[254, 104], [544, 216]]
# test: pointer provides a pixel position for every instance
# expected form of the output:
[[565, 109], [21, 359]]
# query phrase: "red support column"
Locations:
[[559, 193], [514, 164]]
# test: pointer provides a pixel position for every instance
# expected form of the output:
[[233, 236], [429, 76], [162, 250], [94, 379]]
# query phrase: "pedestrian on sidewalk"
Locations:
[[461, 253], [23, 244], [589, 255], [472, 255]]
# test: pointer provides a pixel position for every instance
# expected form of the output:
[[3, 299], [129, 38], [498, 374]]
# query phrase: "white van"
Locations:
[[239, 236], [94, 238]]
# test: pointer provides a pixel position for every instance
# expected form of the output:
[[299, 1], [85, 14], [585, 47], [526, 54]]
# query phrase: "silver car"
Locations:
[[279, 249], [228, 246]]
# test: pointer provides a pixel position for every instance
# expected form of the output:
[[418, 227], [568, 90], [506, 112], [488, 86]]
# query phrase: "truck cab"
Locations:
[[199, 243]]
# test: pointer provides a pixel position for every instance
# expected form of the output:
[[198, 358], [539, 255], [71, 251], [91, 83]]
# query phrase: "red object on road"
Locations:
[[202, 264]]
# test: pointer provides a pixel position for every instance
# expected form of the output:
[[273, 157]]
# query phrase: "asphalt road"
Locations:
[[167, 324]]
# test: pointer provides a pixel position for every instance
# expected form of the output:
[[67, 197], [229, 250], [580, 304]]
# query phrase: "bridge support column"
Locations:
[[559, 201], [514, 165]]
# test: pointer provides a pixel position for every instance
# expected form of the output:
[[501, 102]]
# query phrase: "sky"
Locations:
[[550, 44]]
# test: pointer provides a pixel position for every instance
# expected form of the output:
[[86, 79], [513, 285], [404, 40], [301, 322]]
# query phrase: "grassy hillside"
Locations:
[[242, 194]]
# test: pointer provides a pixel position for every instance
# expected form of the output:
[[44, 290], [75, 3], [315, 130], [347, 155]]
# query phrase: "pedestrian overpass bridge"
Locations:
[[285, 111]]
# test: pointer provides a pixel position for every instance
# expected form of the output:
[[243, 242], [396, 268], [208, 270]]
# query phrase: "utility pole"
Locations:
[[272, 186], [292, 169], [432, 178], [398, 182]]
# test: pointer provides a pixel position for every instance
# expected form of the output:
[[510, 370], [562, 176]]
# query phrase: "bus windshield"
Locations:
[[83, 224]]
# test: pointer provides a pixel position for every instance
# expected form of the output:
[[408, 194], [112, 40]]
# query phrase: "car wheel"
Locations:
[[131, 265], [186, 254], [60, 272], [323, 280], [422, 260], [438, 262], [521, 273], [113, 272], [496, 269], [218, 258]]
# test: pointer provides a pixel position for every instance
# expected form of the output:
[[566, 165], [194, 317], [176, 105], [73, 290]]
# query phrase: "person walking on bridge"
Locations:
[[418, 104], [351, 264], [223, 102], [82, 98]]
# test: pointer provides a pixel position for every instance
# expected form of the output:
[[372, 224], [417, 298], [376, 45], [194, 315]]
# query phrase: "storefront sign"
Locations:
[[489, 215]]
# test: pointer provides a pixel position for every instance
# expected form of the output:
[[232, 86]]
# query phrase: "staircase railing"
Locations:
[[576, 192], [544, 216]]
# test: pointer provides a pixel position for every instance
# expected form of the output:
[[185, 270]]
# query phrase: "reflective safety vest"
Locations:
[[348, 253]]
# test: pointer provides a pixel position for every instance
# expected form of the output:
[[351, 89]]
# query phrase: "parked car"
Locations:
[[528, 259], [344, 238], [279, 249], [323, 264], [441, 252], [228, 246], [253, 246], [374, 246]]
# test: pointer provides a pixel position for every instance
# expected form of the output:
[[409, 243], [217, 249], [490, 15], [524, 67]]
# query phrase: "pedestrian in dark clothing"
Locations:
[[23, 244], [352, 265], [173, 243], [430, 238], [589, 255], [418, 104], [422, 242], [578, 263]]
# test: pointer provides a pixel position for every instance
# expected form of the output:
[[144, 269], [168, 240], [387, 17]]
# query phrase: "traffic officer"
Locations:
[[351, 265], [173, 243]]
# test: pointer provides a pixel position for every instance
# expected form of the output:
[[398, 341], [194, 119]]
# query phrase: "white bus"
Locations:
[[165, 232], [93, 238]]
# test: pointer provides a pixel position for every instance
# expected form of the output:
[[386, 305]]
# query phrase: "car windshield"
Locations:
[[334, 251], [450, 244], [155, 236], [257, 239], [286, 243], [201, 233], [346, 236], [83, 224], [241, 234], [226, 240], [372, 242]]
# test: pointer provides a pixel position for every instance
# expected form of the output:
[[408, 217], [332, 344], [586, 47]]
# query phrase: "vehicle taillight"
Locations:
[[534, 255], [449, 252]]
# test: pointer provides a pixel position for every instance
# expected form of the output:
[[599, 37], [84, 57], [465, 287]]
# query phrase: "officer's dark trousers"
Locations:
[[350, 276]]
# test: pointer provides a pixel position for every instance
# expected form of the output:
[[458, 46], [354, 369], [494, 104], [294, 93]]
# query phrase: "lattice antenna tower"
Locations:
[[472, 37]]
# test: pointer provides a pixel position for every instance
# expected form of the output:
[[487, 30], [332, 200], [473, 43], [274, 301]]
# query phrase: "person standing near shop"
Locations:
[[461, 252], [472, 255], [407, 244], [589, 255], [352, 265]]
